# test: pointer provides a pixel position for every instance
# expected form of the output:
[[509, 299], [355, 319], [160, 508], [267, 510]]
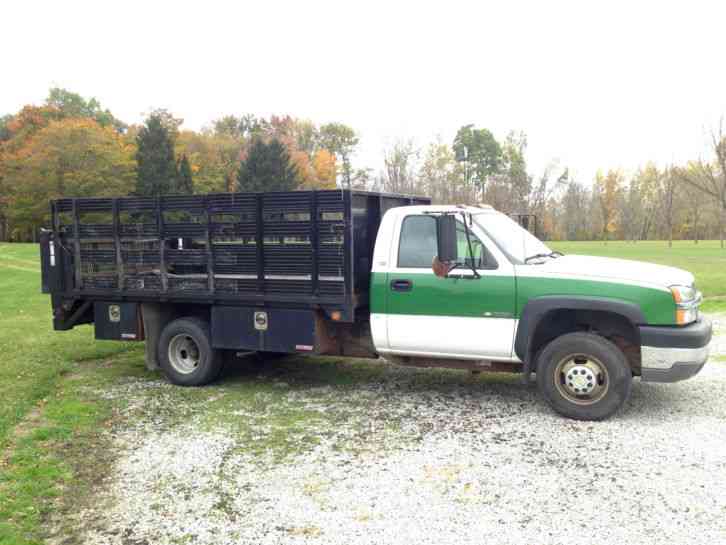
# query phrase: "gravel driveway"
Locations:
[[412, 456]]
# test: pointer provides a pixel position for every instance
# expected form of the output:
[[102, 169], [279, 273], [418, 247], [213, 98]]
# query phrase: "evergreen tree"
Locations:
[[268, 167], [184, 181], [156, 170]]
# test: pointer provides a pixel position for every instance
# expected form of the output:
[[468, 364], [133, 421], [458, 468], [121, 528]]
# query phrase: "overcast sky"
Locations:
[[593, 84]]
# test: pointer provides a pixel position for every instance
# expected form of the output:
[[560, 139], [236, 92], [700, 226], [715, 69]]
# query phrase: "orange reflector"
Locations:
[[676, 295]]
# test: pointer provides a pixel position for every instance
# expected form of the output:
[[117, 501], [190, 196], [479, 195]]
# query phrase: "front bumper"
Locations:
[[670, 354]]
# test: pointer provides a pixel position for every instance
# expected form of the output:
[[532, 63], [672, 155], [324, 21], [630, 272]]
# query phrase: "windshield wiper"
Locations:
[[537, 256]]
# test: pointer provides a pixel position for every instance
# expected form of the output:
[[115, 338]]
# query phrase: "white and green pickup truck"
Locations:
[[363, 274], [585, 325]]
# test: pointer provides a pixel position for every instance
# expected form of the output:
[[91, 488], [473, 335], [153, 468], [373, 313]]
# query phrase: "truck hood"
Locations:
[[614, 270]]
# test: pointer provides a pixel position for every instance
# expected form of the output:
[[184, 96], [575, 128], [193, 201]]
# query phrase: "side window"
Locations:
[[482, 258], [417, 246]]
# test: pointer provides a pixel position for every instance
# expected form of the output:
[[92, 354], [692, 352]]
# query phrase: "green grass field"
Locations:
[[46, 413], [38, 417], [706, 260]]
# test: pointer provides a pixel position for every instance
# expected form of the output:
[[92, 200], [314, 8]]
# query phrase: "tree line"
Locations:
[[72, 146], [685, 201]]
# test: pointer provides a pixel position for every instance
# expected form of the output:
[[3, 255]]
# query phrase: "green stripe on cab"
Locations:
[[657, 305], [489, 296], [503, 296]]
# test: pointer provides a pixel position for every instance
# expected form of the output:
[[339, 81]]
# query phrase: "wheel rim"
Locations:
[[184, 354], [581, 379]]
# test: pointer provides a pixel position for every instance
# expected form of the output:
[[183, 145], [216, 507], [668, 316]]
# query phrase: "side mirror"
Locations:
[[446, 238]]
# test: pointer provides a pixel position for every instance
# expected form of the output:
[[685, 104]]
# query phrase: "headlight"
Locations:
[[687, 299], [683, 294]]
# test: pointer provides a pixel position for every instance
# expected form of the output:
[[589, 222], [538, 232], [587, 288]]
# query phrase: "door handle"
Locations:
[[401, 285]]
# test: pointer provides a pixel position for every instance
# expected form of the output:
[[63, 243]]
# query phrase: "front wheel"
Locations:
[[584, 376], [186, 355]]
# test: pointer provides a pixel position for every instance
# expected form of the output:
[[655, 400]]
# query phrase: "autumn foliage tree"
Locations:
[[68, 158], [15, 133], [607, 188], [29, 120], [213, 157], [340, 140], [325, 169], [312, 150], [70, 104]]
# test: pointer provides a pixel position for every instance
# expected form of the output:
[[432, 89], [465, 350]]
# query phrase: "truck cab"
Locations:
[[584, 325]]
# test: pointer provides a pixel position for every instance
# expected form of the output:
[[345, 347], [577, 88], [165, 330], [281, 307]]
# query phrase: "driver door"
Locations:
[[459, 316]]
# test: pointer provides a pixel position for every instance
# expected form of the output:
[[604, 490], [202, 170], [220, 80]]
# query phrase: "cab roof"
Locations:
[[449, 208]]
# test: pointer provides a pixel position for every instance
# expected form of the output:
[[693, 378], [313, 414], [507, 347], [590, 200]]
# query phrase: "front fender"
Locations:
[[537, 309]]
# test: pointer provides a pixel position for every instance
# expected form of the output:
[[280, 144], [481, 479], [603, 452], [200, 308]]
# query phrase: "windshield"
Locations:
[[517, 243]]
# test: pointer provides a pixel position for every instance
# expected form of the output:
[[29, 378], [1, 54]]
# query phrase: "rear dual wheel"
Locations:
[[584, 376], [186, 355]]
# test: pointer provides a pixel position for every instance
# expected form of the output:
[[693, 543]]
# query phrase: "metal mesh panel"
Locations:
[[234, 256], [141, 265], [287, 243], [98, 265], [187, 283], [236, 286], [143, 282]]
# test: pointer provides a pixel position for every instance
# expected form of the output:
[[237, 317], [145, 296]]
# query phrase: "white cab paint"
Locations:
[[379, 331], [608, 269], [452, 336]]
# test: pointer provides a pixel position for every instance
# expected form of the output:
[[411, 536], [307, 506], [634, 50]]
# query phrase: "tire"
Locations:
[[584, 376], [186, 355]]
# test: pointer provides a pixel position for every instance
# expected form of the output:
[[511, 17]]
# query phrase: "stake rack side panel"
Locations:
[[287, 246]]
